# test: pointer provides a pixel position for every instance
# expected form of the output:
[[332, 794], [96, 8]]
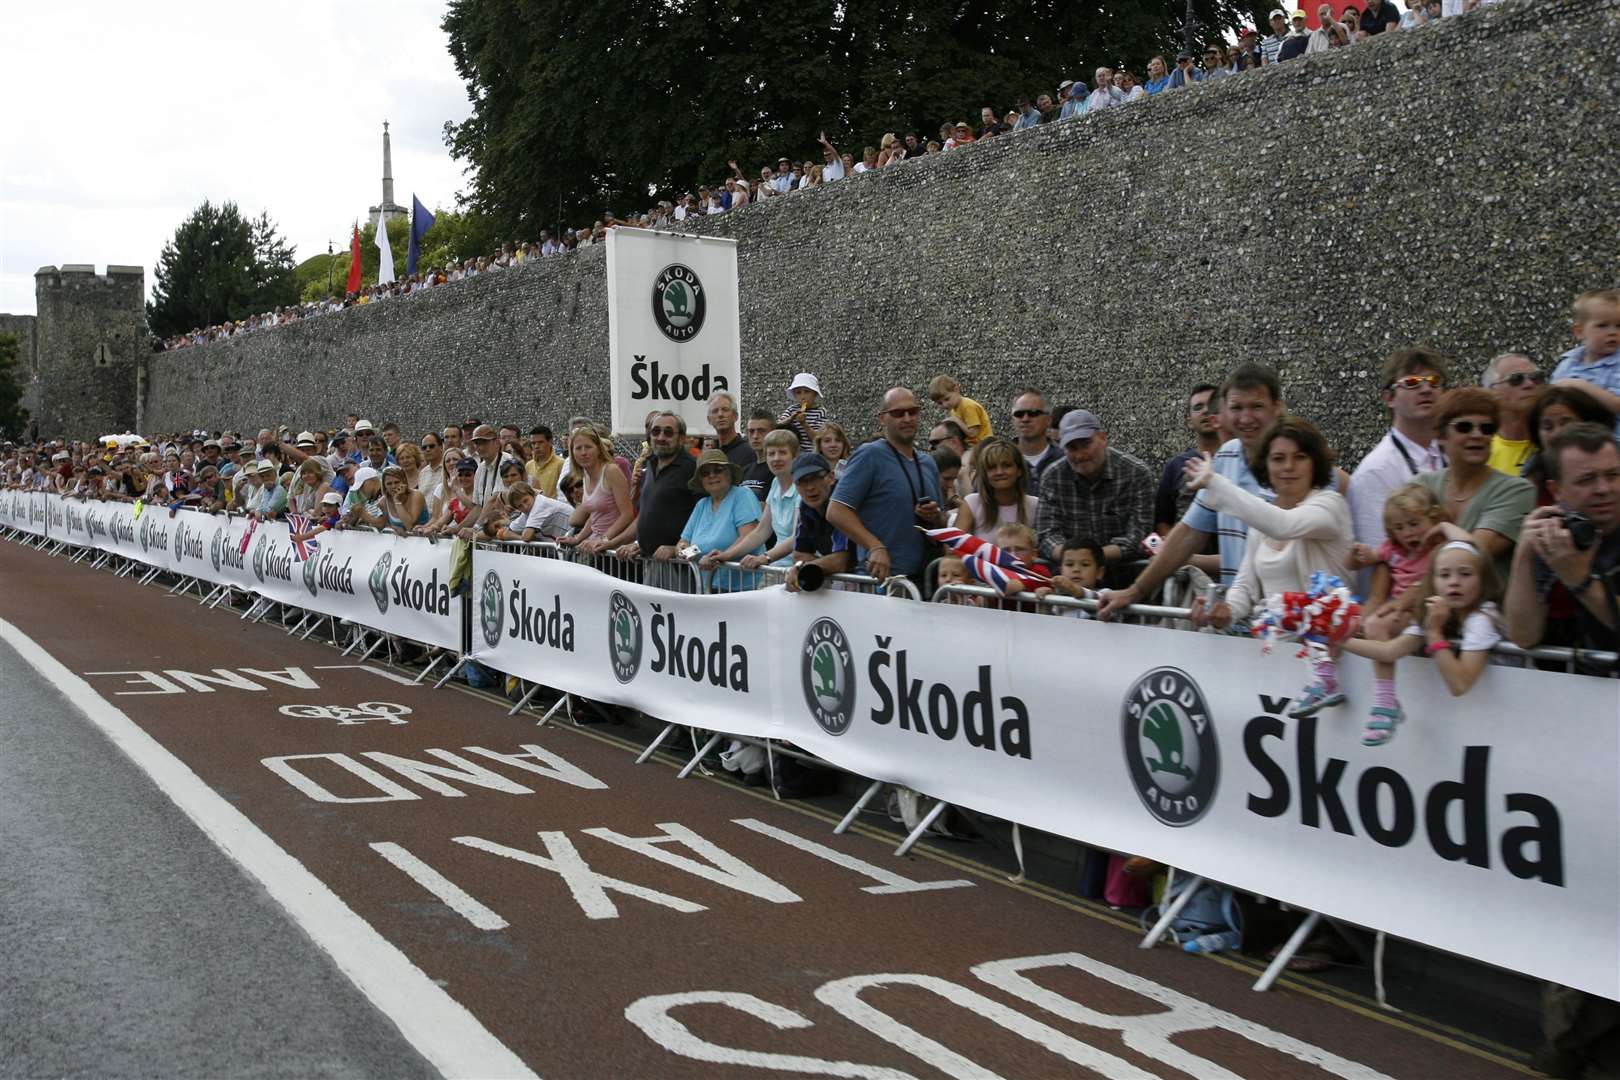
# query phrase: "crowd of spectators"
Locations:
[[1486, 513], [1290, 38], [1518, 477]]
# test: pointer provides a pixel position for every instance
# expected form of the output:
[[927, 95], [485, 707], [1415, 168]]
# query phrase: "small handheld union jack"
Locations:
[[299, 524], [247, 537]]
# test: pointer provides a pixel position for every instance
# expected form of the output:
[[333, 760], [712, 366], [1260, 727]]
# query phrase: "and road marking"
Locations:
[[439, 1027]]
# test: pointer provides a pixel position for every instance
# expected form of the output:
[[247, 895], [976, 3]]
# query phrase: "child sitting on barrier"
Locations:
[[1461, 591], [1401, 561], [1081, 563]]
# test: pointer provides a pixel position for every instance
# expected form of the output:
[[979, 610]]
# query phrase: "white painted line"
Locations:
[[454, 896], [438, 1026], [389, 675]]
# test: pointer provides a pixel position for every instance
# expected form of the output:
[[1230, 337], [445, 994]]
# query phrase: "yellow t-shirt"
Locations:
[[970, 414], [1509, 455], [543, 477]]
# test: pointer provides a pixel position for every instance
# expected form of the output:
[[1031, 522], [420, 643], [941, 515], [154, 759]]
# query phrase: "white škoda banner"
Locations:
[[674, 330], [400, 585], [1485, 828]]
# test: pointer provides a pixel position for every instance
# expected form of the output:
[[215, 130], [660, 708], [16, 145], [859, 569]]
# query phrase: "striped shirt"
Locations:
[[815, 417], [1231, 532]]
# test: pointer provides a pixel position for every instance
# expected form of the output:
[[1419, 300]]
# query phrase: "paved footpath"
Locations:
[[295, 865]]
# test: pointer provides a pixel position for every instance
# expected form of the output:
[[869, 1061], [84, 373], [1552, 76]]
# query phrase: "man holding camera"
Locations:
[[818, 548], [1575, 543]]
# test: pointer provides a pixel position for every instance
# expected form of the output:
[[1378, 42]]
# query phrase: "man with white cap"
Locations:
[[364, 505], [1271, 46], [1100, 494], [271, 501], [805, 415]]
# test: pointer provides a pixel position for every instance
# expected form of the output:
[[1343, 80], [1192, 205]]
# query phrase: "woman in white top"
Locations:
[[1002, 490], [1307, 528]]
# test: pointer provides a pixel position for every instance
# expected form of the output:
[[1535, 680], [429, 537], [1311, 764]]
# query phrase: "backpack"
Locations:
[[1212, 910]]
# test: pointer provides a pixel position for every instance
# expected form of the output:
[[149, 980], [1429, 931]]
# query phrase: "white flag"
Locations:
[[385, 254]]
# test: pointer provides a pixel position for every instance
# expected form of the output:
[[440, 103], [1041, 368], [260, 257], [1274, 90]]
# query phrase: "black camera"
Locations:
[[1582, 533], [811, 577]]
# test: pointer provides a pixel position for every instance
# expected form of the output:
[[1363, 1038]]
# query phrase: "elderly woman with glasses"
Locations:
[[718, 521]]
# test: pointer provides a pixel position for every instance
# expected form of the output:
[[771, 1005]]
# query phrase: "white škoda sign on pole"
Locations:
[[674, 330]]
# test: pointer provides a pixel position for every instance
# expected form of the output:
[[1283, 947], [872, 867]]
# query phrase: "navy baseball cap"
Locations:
[[809, 463]]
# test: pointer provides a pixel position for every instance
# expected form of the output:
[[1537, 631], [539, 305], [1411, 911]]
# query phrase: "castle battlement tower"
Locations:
[[90, 343], [389, 209]]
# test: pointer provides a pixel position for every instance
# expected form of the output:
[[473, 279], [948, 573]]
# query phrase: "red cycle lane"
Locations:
[[603, 919]]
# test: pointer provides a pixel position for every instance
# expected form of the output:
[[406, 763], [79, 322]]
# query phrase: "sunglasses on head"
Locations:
[[1466, 427], [1519, 378], [1412, 382]]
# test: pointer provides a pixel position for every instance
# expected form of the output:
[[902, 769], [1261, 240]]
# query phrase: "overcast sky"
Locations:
[[118, 119]]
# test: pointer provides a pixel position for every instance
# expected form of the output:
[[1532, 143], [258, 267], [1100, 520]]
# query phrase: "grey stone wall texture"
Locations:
[[78, 312], [1450, 186]]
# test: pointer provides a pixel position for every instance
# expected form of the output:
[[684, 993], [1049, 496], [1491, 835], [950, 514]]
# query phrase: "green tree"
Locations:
[[219, 266], [558, 135], [13, 417]]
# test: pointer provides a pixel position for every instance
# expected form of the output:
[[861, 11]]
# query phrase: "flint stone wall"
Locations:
[[1450, 186]]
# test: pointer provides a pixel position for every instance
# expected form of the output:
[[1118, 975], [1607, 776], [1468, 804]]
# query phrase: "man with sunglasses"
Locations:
[[1031, 421], [1411, 383], [887, 490], [1515, 380]]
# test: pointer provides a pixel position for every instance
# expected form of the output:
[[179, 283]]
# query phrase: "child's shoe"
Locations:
[[1381, 721], [1315, 698]]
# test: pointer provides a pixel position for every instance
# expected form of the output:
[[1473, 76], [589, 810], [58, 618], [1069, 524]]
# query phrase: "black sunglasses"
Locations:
[[1519, 378], [1025, 414], [1466, 427]]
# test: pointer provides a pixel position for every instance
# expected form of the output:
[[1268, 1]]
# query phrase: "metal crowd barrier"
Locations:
[[1026, 602]]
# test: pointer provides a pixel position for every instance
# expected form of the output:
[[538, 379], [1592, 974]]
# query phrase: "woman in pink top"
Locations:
[[604, 504]]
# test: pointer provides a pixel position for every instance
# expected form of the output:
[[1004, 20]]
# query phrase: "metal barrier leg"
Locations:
[[1170, 913], [435, 662], [313, 626], [299, 625], [367, 654], [524, 700], [461, 662], [359, 638], [922, 827], [860, 804], [561, 702], [1286, 953], [686, 770], [662, 735], [252, 608]]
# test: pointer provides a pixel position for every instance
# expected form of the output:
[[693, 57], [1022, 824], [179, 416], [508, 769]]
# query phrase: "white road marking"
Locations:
[[437, 1025], [888, 882], [389, 675], [589, 888], [454, 896], [721, 867]]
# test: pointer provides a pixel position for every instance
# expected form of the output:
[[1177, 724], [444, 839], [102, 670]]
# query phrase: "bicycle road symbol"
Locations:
[[347, 715]]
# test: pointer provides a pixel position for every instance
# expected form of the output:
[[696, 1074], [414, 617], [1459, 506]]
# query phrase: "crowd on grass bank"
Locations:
[[1290, 39], [1487, 512]]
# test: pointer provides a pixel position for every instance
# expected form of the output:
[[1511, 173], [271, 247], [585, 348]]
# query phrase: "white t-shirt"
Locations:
[[1004, 514], [549, 517], [1481, 631], [832, 172]]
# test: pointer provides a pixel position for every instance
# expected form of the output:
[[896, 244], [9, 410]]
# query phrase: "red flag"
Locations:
[[354, 261]]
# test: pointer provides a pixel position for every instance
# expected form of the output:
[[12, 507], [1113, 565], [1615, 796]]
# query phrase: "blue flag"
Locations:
[[421, 222]]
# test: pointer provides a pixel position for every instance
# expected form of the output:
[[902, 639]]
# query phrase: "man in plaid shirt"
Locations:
[[1100, 493]]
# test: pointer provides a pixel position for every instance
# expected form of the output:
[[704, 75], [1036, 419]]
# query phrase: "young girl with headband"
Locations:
[[1462, 589]]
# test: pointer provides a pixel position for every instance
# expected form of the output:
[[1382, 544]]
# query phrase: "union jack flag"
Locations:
[[988, 563], [302, 549]]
